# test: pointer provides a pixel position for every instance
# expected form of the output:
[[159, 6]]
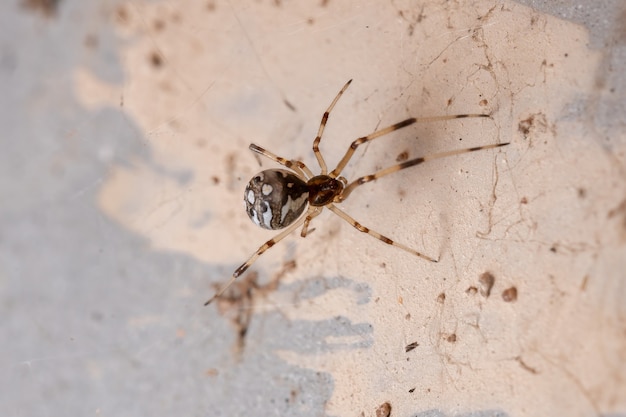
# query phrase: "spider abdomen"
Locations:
[[275, 198]]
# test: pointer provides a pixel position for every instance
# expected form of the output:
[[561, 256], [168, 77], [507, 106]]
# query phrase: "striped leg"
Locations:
[[313, 212], [298, 166], [346, 158], [362, 180], [358, 226], [320, 131], [255, 256]]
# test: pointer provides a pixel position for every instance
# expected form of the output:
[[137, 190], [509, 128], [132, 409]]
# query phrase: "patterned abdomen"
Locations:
[[275, 198]]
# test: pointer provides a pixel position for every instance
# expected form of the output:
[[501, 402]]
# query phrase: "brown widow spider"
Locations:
[[276, 198]]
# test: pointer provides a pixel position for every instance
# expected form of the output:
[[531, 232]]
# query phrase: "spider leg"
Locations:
[[358, 226], [313, 212], [297, 166], [367, 178], [320, 131], [346, 158], [255, 256]]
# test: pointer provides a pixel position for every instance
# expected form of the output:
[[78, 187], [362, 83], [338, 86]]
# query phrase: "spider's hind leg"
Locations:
[[358, 226], [407, 164]]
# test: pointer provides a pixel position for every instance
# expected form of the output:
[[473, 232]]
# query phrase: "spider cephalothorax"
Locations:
[[276, 198], [324, 189]]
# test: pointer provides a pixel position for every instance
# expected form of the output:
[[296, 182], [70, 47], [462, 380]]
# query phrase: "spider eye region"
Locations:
[[275, 198]]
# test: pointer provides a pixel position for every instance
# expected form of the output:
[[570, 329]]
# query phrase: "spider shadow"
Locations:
[[336, 332]]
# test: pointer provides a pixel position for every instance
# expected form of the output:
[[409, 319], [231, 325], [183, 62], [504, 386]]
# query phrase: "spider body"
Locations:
[[276, 198]]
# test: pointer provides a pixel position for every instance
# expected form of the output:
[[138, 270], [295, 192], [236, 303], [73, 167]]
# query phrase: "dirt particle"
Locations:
[[619, 215], [509, 295], [525, 366], [292, 396], [533, 124], [486, 281], [121, 15], [289, 105], [402, 156], [524, 126], [583, 284], [158, 25], [48, 8], [91, 41], [156, 60], [411, 346], [384, 410]]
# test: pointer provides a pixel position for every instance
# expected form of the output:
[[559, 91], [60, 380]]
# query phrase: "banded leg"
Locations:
[[313, 212], [298, 166], [256, 254], [358, 226], [382, 132], [320, 131], [367, 178]]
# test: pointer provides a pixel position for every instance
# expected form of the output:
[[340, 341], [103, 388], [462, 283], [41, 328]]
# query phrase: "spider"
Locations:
[[276, 198]]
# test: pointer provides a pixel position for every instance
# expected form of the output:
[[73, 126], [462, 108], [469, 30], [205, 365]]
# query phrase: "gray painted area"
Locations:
[[605, 22]]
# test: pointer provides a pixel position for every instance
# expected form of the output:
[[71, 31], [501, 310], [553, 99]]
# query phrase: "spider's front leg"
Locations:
[[346, 158], [382, 132], [320, 131]]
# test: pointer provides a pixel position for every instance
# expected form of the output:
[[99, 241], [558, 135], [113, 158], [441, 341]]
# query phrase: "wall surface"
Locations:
[[125, 133]]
